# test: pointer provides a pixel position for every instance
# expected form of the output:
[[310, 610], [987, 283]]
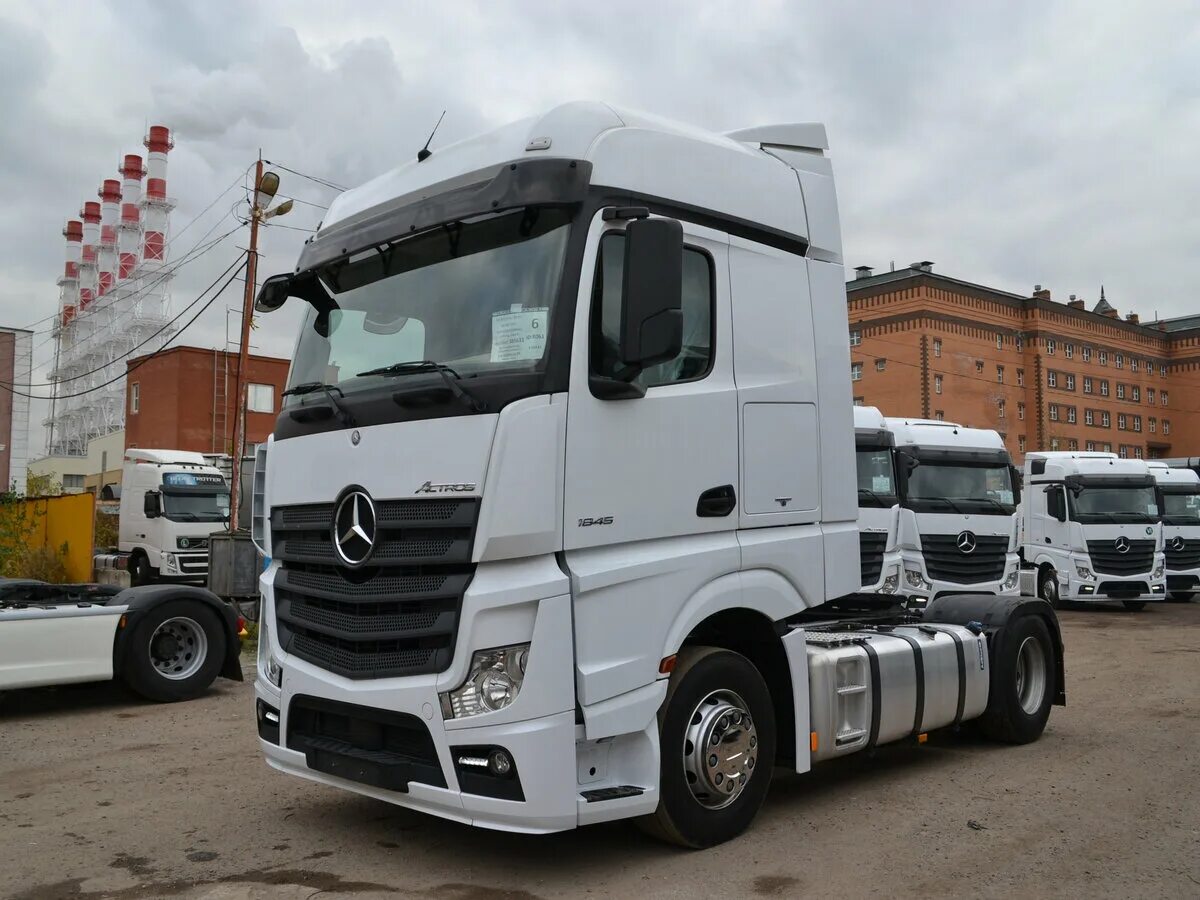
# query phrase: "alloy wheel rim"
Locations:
[[720, 749]]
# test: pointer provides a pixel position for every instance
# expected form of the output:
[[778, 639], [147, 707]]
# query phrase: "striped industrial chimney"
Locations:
[[106, 263], [70, 277], [158, 144], [129, 237], [88, 273]]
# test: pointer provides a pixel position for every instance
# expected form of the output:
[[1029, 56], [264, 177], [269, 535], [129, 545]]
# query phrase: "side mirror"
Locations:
[[273, 293], [1014, 475], [152, 504], [651, 294]]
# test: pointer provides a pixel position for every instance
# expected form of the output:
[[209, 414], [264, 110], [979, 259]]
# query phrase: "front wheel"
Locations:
[[1134, 605], [717, 745], [1182, 596], [174, 652], [1024, 679], [140, 570], [1048, 587]]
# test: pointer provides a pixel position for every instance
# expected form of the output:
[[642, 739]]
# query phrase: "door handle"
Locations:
[[716, 502]]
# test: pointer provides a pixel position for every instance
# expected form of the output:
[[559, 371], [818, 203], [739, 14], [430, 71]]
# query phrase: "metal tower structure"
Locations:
[[114, 298]]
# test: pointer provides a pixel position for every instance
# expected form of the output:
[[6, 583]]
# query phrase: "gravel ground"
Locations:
[[103, 796]]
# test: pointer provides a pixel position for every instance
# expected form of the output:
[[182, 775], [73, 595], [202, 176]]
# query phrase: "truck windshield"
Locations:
[[1091, 505], [978, 490], [876, 482], [1181, 508], [476, 296], [194, 507]]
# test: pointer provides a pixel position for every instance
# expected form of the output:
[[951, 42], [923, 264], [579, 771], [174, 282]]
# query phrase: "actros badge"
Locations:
[[430, 488]]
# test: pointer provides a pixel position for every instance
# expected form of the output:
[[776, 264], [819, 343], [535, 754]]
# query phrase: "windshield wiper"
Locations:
[[449, 376], [331, 391], [945, 500], [182, 516], [992, 500], [878, 498]]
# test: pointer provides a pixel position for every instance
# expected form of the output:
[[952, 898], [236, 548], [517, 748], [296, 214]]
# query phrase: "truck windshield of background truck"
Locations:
[[184, 505], [978, 489], [1180, 506], [475, 295], [876, 476], [1091, 504]]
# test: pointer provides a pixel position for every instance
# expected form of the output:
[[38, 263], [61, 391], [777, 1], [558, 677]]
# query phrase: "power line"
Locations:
[[314, 178], [141, 362]]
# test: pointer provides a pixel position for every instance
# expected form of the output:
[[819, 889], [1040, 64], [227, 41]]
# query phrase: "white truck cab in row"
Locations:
[[1091, 528], [958, 509], [171, 501], [560, 511], [1179, 506], [882, 566]]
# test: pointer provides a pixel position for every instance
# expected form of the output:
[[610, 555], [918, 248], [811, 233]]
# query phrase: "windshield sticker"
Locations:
[[881, 484], [519, 334], [1006, 497]]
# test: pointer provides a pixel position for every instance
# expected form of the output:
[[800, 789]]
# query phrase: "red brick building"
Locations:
[[1047, 375], [183, 399]]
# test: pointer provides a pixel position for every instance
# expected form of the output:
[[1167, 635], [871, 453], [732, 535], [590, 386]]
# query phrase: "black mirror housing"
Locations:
[[273, 293], [150, 505], [652, 293]]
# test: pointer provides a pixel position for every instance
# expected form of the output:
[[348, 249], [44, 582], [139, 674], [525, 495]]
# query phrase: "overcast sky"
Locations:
[[1012, 143]]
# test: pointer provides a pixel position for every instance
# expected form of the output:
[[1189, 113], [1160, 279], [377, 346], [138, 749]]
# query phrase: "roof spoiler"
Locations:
[[798, 136]]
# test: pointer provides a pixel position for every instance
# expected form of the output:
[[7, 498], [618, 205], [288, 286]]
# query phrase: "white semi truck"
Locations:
[[561, 507], [171, 501], [878, 504], [1179, 506], [1091, 529], [958, 509]]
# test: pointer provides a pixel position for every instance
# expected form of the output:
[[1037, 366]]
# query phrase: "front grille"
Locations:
[[1123, 589], [398, 615], [1186, 557], [1106, 560], [945, 562], [870, 548], [193, 564]]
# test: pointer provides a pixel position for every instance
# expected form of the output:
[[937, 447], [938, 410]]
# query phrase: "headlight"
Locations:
[[267, 663], [1083, 572], [493, 682], [891, 584], [168, 562], [1159, 571], [1011, 581], [915, 579]]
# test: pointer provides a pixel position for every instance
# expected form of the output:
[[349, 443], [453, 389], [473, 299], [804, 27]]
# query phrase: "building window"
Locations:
[[1087, 385], [979, 367], [940, 415], [1072, 444], [937, 346], [1087, 354], [1020, 377], [1137, 394], [1071, 414], [856, 371], [1137, 451], [1000, 374], [1123, 452], [937, 384], [1120, 391], [1153, 425], [1021, 443], [1054, 443], [1162, 370], [1105, 420], [1137, 423], [1104, 387], [74, 482], [1069, 350], [1021, 411], [1104, 357], [855, 338], [1090, 446], [1149, 367], [1150, 396], [1053, 412], [1020, 343], [1050, 346], [880, 365], [1089, 417], [1166, 426], [260, 398], [135, 401], [1052, 378], [1120, 360], [1070, 382], [1000, 406], [1163, 396], [1133, 364], [1122, 422]]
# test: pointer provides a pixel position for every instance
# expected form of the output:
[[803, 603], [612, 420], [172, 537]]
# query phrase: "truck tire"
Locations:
[[175, 651], [1182, 596], [140, 570], [1134, 605], [1048, 586], [1023, 683], [716, 699]]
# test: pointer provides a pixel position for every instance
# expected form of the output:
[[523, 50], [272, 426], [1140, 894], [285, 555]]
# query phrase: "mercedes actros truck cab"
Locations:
[[560, 510], [1179, 506], [1091, 529], [878, 504], [958, 509]]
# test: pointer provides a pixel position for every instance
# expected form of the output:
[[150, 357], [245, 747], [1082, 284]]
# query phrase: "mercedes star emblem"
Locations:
[[1121, 544], [965, 542], [355, 437], [1177, 544], [354, 528]]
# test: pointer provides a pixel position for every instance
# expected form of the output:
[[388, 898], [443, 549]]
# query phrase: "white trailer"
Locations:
[[171, 501], [880, 559], [958, 509], [563, 495], [1179, 506], [1091, 529]]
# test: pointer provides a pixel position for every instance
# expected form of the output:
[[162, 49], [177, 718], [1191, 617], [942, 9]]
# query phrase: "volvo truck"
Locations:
[[878, 505], [171, 501], [1091, 529], [560, 510], [958, 509], [1179, 506]]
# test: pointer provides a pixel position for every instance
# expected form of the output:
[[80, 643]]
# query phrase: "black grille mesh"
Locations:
[[1107, 560], [945, 562], [871, 545]]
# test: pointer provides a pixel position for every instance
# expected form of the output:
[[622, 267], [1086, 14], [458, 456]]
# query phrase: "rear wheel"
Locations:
[[1134, 605], [717, 729], [1023, 683], [1048, 586], [174, 652]]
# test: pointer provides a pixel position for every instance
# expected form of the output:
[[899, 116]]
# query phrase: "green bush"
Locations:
[[39, 563]]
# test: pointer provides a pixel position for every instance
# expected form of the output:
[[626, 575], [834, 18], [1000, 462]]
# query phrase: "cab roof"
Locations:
[[936, 433], [1165, 475], [1059, 465]]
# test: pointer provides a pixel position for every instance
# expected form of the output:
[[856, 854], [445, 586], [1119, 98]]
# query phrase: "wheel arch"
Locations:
[[140, 600]]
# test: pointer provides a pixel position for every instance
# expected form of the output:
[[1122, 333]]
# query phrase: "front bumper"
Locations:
[[1103, 588]]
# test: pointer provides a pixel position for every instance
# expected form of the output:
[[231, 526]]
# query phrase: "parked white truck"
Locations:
[[880, 560], [958, 509], [1179, 506], [171, 501], [564, 491], [1091, 529]]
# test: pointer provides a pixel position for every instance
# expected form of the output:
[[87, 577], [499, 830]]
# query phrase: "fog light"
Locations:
[[169, 562], [493, 682], [891, 584], [500, 763], [1083, 572], [1087, 589], [1156, 589]]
